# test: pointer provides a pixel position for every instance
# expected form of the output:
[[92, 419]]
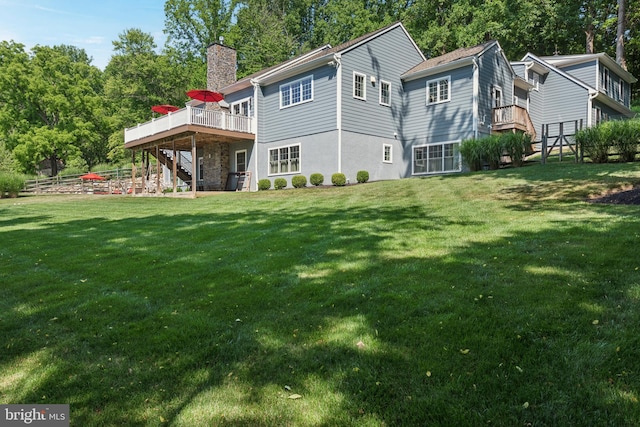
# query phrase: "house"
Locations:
[[374, 103], [584, 89]]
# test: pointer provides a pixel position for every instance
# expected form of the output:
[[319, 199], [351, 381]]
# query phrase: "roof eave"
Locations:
[[439, 69]]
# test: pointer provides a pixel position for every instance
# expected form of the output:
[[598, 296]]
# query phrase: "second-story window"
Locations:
[[604, 80], [439, 90], [359, 87], [385, 93], [296, 92]]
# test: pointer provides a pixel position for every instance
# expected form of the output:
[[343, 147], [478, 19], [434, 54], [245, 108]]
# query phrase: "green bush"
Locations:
[[316, 179], [624, 138], [279, 183], [11, 184], [515, 146], [362, 177], [338, 179], [595, 142], [471, 152], [264, 184], [299, 181]]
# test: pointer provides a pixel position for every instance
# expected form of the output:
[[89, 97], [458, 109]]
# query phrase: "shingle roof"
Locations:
[[456, 55]]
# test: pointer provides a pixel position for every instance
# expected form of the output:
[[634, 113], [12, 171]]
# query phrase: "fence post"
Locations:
[[543, 148]]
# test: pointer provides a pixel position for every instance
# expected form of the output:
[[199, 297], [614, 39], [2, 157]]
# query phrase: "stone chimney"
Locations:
[[221, 66]]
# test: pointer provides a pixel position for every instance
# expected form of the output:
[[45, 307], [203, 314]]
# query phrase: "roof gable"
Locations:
[[561, 61], [314, 58], [451, 60]]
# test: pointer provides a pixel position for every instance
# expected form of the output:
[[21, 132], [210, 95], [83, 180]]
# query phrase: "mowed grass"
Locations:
[[499, 298]]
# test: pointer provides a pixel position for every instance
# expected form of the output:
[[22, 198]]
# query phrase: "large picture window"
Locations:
[[297, 92], [283, 160], [439, 90], [436, 158]]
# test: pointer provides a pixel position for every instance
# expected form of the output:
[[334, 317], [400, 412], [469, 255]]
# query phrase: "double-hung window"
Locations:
[[439, 90], [296, 92], [359, 86], [387, 153], [283, 160], [436, 158], [385, 93]]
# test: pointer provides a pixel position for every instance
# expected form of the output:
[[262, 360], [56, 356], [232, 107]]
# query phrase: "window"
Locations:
[[241, 161], [436, 158], [387, 151], [359, 87], [497, 97], [604, 80], [284, 160], [385, 93], [242, 108], [439, 90], [534, 79], [200, 168], [297, 92]]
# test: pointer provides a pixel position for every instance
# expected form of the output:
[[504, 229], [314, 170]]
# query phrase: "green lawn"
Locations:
[[499, 298]]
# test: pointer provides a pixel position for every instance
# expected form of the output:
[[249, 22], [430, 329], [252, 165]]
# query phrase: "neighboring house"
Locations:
[[374, 103]]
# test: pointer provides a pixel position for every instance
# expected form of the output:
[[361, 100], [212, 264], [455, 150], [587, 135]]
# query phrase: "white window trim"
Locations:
[[494, 91], [200, 169], [382, 83], [290, 84], [413, 158], [245, 160], [438, 80], [299, 171], [384, 146], [364, 85], [248, 99]]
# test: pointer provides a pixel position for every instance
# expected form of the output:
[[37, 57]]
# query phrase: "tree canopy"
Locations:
[[55, 107]]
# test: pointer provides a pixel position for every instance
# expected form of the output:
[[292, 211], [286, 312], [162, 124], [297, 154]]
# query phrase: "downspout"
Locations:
[[256, 87], [592, 96], [476, 94], [337, 58]]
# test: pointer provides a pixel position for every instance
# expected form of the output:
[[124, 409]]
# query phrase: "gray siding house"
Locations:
[[374, 103]]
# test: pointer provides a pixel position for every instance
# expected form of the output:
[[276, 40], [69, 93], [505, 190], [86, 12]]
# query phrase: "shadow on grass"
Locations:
[[213, 319]]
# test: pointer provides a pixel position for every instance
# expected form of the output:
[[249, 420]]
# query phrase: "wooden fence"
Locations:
[[117, 181]]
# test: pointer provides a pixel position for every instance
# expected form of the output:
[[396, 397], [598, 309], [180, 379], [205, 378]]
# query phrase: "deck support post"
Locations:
[[133, 172], [175, 168], [157, 169], [194, 161]]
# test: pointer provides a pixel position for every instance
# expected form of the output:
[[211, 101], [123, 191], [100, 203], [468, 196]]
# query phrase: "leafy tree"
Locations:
[[49, 106], [136, 78]]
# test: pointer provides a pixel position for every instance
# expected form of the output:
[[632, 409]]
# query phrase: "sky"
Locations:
[[88, 24]]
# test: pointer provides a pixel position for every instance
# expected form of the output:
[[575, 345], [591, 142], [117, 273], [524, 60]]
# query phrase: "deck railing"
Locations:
[[215, 119], [513, 115]]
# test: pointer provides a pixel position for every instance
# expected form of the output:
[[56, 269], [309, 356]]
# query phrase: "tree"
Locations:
[[49, 104], [136, 78], [620, 59]]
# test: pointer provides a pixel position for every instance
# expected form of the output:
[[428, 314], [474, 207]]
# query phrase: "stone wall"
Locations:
[[216, 165]]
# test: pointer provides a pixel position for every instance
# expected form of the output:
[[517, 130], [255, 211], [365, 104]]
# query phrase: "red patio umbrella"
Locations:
[[205, 95], [164, 108], [91, 176]]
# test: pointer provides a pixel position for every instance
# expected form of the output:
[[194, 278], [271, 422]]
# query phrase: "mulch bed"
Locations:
[[625, 197]]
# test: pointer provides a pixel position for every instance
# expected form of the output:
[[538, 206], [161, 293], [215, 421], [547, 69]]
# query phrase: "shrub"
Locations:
[[279, 183], [264, 184], [338, 179], [11, 184], [624, 138], [362, 177], [594, 142], [316, 179], [471, 152], [299, 181], [515, 146]]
